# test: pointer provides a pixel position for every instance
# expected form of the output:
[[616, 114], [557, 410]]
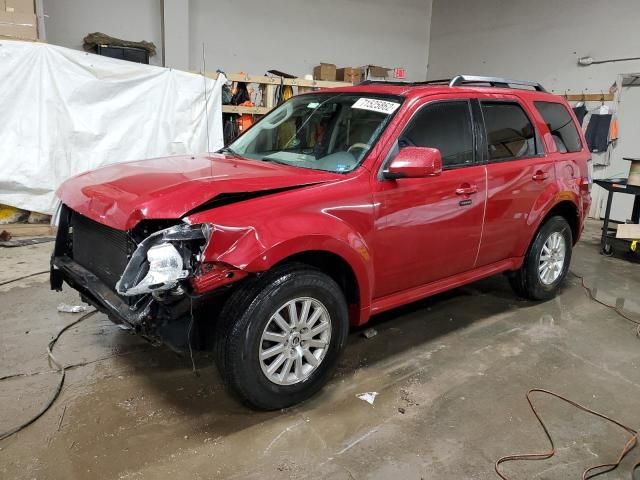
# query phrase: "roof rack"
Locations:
[[494, 82], [460, 80]]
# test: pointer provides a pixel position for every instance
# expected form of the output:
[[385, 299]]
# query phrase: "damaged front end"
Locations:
[[163, 259], [148, 279]]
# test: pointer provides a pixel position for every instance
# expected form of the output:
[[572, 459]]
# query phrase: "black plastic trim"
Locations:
[[99, 294]]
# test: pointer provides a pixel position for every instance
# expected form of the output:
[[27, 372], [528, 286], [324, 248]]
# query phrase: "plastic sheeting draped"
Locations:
[[64, 111]]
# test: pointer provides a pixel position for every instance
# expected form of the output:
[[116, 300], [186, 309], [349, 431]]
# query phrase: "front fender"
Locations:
[[254, 249]]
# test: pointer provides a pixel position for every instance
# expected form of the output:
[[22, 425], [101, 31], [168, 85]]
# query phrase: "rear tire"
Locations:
[[275, 313], [546, 263]]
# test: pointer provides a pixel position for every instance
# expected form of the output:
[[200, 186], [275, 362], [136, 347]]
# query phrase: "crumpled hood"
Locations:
[[123, 194]]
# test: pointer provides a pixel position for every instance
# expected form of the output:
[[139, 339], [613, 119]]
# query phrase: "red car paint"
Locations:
[[403, 239], [121, 195]]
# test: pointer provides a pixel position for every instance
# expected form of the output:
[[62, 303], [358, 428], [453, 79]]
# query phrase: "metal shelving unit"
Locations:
[[271, 83], [608, 240]]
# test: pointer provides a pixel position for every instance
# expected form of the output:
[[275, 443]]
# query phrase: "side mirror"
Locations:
[[415, 162]]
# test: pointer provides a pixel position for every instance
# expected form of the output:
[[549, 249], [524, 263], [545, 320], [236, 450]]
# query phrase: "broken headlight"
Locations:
[[163, 259]]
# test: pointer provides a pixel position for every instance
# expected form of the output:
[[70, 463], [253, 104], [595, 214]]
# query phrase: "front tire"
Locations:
[[546, 263], [280, 336]]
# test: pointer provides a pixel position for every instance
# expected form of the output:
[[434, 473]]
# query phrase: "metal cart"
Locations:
[[609, 240]]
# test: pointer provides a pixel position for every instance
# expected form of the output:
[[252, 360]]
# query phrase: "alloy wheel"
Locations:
[[552, 258], [295, 341]]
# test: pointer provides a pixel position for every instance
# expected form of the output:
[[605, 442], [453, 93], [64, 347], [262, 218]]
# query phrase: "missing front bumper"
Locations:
[[161, 321], [99, 294]]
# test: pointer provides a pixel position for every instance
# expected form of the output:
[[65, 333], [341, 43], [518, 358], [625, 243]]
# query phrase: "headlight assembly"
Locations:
[[163, 259]]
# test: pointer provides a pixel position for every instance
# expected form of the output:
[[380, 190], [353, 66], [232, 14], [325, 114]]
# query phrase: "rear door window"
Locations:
[[510, 133], [445, 126], [563, 130]]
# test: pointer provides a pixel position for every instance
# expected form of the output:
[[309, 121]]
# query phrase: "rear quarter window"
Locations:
[[561, 125]]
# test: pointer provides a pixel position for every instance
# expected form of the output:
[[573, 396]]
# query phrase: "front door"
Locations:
[[428, 229]]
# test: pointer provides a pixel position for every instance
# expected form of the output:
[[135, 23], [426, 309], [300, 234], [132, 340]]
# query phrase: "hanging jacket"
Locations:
[[597, 133], [580, 111]]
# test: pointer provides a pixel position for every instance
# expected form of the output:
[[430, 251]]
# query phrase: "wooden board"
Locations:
[[628, 231], [588, 97], [28, 229], [295, 82], [241, 109]]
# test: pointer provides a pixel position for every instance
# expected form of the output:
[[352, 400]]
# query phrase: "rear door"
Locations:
[[518, 172], [428, 229]]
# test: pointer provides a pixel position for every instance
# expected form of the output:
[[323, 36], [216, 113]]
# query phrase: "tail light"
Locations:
[[585, 184]]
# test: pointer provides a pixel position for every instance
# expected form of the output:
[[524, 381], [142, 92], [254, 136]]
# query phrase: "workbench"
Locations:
[[608, 239]]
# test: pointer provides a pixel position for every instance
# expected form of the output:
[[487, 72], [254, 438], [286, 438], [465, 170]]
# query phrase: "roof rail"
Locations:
[[494, 82], [382, 82], [460, 80]]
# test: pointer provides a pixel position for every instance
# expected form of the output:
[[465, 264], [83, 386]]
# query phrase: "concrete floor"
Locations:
[[451, 373]]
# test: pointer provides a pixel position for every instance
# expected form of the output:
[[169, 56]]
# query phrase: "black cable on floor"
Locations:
[[60, 368], [76, 365], [22, 278]]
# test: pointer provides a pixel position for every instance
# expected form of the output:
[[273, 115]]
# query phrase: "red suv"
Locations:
[[337, 205]]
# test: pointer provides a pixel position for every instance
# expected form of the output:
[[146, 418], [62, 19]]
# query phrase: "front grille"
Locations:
[[100, 249]]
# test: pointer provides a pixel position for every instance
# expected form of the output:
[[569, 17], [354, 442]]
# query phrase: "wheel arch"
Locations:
[[350, 263], [340, 270], [569, 211]]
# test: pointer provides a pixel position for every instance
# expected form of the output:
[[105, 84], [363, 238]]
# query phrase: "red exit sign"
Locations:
[[399, 73]]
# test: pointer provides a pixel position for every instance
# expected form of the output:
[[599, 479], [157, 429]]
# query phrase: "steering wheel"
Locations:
[[360, 146]]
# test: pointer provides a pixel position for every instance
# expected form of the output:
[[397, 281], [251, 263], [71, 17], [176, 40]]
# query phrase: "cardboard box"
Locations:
[[628, 231], [349, 74], [18, 26], [325, 71], [375, 72], [18, 6]]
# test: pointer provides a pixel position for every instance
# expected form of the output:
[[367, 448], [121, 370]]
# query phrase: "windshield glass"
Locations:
[[327, 131]]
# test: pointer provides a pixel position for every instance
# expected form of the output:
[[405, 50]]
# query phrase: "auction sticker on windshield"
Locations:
[[375, 105]]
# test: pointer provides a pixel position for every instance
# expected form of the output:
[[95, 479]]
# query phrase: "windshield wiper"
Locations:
[[275, 160], [229, 150]]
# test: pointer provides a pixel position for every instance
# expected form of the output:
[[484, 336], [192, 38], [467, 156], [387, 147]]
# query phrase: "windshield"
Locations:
[[327, 131]]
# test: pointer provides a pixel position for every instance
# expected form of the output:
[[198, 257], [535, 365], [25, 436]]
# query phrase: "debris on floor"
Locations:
[[407, 397], [23, 242], [5, 236], [370, 333], [368, 397], [66, 308]]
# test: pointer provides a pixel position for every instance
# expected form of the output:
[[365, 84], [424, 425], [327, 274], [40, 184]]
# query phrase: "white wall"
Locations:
[[257, 35], [294, 35], [67, 22], [540, 40], [175, 17]]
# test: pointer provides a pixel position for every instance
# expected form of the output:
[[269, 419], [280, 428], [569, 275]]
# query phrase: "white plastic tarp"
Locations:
[[65, 111]]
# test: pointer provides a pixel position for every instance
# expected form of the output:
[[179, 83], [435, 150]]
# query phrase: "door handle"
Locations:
[[466, 189], [540, 175]]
